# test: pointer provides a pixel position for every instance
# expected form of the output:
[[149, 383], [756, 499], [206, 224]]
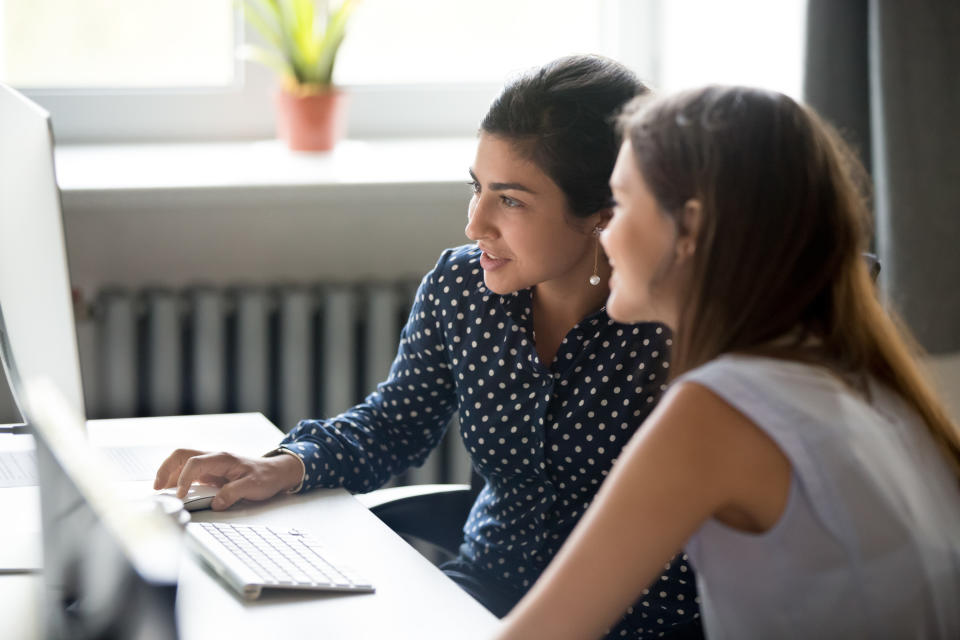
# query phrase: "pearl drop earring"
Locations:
[[595, 278]]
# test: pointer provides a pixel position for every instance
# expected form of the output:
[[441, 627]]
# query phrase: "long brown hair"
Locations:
[[778, 267]]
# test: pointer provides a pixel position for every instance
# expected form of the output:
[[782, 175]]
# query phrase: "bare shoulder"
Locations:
[[745, 463], [694, 409]]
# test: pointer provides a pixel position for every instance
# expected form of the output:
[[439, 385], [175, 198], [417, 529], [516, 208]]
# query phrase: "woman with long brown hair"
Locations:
[[799, 455]]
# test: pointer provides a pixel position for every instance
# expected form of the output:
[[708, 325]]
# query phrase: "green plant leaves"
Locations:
[[303, 40], [332, 37], [268, 58], [262, 15]]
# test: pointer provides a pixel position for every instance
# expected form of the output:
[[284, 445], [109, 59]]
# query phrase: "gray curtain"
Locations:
[[887, 74]]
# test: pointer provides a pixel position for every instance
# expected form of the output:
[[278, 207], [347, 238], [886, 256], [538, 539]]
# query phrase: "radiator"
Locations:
[[289, 352]]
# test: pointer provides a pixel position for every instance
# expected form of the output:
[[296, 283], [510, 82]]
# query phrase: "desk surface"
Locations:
[[412, 599]]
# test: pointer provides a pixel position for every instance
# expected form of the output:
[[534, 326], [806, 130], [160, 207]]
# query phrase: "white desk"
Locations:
[[412, 600]]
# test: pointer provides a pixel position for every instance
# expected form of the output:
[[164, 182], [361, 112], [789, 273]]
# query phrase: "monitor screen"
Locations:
[[110, 561], [38, 337]]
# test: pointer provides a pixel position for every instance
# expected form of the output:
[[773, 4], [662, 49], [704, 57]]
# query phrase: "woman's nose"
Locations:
[[478, 223]]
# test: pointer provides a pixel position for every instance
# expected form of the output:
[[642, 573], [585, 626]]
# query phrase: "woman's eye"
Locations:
[[509, 202], [474, 186]]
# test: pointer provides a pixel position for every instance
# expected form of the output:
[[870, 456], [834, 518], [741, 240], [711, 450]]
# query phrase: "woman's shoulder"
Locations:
[[774, 393], [458, 265], [457, 276], [767, 372], [464, 258], [798, 402]]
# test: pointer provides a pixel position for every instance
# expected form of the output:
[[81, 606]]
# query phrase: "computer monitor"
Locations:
[[38, 337], [110, 563]]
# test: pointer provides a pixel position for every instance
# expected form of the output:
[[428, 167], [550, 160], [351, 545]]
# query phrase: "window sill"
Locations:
[[175, 214], [91, 169]]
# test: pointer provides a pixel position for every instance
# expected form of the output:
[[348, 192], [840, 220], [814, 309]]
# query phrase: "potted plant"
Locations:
[[301, 39]]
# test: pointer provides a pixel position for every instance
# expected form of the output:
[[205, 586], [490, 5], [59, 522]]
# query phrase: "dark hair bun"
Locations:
[[561, 116]]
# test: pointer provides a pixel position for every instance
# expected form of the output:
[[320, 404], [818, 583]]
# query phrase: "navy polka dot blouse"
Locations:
[[543, 438]]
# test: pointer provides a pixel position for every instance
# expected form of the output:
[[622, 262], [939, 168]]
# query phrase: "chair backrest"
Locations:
[[873, 264]]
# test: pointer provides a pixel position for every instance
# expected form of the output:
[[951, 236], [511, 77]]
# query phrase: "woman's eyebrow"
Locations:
[[504, 186]]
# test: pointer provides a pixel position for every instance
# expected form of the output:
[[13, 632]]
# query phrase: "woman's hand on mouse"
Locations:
[[236, 476]]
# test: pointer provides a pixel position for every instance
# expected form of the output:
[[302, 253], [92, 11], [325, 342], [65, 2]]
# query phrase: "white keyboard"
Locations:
[[253, 557]]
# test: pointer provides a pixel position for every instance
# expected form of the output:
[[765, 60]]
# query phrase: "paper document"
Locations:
[[19, 468]]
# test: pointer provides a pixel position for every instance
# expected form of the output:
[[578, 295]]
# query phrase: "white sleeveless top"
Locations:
[[869, 543]]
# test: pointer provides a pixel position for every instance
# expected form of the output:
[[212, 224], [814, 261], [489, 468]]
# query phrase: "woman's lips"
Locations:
[[490, 262]]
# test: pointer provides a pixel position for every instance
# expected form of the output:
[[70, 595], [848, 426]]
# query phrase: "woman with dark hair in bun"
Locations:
[[511, 334]]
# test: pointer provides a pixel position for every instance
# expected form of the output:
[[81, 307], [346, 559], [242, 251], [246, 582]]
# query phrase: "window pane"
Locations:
[[432, 41], [752, 42], [117, 43]]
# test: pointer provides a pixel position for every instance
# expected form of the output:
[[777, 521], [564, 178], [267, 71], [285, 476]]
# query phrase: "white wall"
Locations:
[[294, 234], [178, 238]]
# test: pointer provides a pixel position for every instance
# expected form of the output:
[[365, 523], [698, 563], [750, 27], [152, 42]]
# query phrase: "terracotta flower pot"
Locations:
[[311, 121]]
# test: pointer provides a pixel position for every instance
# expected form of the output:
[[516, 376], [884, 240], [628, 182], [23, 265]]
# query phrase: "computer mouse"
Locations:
[[199, 496]]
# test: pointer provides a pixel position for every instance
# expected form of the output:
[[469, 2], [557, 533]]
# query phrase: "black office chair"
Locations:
[[873, 264], [429, 513]]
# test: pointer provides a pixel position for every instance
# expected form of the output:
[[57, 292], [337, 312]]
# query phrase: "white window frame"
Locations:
[[245, 110]]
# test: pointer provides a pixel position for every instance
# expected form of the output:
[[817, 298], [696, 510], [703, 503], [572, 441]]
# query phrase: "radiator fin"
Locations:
[[164, 358], [290, 352], [117, 338], [252, 364]]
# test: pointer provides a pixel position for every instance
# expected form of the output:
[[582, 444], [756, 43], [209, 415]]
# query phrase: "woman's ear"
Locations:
[[600, 219], [688, 227]]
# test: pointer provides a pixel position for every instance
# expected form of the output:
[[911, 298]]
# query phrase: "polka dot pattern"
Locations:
[[542, 435]]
